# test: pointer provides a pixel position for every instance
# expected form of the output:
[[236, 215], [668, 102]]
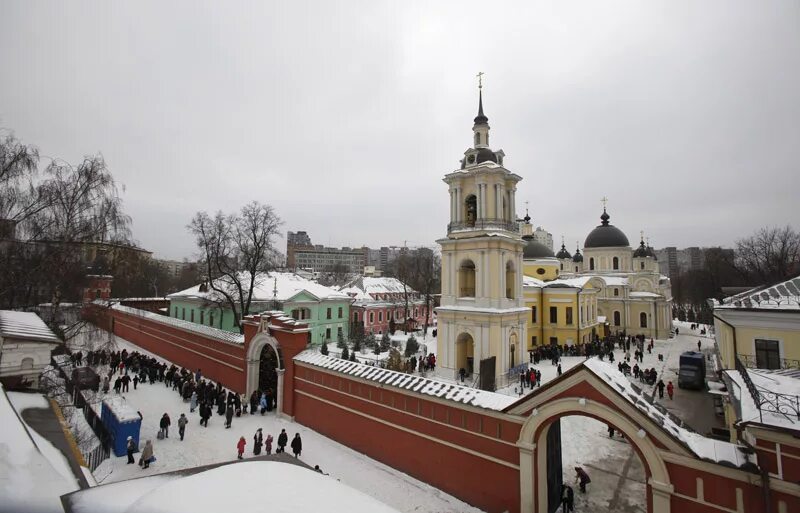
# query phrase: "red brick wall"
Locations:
[[415, 435]]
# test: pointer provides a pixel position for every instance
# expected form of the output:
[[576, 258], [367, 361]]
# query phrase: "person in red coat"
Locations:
[[240, 446], [670, 389]]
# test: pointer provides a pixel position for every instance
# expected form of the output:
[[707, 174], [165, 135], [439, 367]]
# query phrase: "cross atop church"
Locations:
[[641, 233], [480, 79], [604, 201], [526, 207]]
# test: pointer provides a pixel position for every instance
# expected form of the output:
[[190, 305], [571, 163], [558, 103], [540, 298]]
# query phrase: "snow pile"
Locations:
[[207, 331], [278, 487], [123, 411], [29, 479], [419, 384], [705, 448], [25, 325]]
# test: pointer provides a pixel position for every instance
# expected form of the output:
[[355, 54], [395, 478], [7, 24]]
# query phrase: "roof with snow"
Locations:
[[208, 331], [299, 489], [782, 296], [577, 282], [419, 384], [778, 397], [280, 286], [123, 411], [25, 326]]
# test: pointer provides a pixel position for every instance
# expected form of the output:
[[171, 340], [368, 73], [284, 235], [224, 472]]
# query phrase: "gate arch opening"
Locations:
[[265, 368], [465, 353]]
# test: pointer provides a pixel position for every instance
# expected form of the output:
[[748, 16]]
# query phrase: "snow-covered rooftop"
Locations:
[[287, 285], [644, 294], [783, 296], [123, 411], [419, 384], [779, 389], [208, 331], [25, 325], [382, 285], [705, 448], [234, 487]]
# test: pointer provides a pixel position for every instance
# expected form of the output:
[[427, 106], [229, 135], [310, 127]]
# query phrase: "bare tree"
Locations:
[[236, 249], [335, 275], [769, 255]]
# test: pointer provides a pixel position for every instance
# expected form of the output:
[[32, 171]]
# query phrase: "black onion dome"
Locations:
[[606, 235], [535, 250], [577, 257], [651, 253], [485, 154], [641, 251], [563, 253]]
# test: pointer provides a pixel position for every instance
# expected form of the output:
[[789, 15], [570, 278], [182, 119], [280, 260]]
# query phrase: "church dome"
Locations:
[[606, 235], [485, 154], [641, 251], [534, 250], [651, 253], [577, 257], [563, 253]]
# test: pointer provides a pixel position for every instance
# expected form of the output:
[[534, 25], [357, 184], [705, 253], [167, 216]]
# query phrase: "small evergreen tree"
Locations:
[[385, 342], [412, 346], [691, 316], [345, 353], [324, 348], [353, 357], [395, 361], [392, 326], [376, 348], [357, 340], [340, 341]]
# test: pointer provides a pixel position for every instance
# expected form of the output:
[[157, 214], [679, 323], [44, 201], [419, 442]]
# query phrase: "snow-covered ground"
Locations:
[[216, 444], [33, 472]]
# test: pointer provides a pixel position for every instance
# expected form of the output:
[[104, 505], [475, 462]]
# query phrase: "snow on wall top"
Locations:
[[784, 382], [208, 331], [25, 325], [419, 384], [705, 448], [123, 411], [288, 285], [783, 296]]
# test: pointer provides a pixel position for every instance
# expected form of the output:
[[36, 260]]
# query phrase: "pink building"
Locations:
[[379, 300]]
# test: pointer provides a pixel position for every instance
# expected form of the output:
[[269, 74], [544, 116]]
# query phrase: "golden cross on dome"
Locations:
[[480, 79], [604, 201]]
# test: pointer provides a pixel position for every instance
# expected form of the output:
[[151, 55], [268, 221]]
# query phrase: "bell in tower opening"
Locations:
[[472, 210]]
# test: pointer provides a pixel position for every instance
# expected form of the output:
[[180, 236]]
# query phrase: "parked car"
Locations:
[[85, 378]]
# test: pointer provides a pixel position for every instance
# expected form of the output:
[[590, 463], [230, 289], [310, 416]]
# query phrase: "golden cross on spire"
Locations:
[[480, 79], [604, 201]]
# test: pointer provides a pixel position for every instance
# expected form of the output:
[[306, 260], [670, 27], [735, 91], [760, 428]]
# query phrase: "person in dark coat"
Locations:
[[130, 446], [297, 445], [660, 385], [221, 403], [268, 445], [135, 381], [228, 416], [182, 421], [582, 477], [164, 424], [283, 439], [258, 441], [253, 402], [205, 413]]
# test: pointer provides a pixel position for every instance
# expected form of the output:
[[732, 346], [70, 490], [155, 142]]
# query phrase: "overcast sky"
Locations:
[[345, 117]]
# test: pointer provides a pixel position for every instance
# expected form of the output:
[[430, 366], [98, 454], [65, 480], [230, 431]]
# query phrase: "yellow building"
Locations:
[[482, 313], [760, 327]]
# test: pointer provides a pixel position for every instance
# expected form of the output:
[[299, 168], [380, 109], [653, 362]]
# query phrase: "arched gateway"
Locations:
[[265, 368], [594, 390]]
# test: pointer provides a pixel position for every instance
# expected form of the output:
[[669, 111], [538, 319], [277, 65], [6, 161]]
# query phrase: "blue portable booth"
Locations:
[[121, 420]]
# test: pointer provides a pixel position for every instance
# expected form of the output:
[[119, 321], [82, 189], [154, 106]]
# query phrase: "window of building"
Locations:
[[768, 354], [202, 317], [221, 316], [329, 313], [477, 138], [642, 320], [339, 332], [176, 312], [534, 341], [533, 314], [211, 318], [466, 279], [616, 292], [371, 317], [591, 264], [553, 315], [327, 333], [576, 268], [355, 316], [511, 278], [617, 321], [380, 316], [641, 265], [569, 315], [340, 312], [615, 263], [183, 313]]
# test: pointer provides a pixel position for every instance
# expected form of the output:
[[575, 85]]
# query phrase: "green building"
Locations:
[[325, 310]]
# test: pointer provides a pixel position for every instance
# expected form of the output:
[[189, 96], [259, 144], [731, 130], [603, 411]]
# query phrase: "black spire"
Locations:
[[480, 119]]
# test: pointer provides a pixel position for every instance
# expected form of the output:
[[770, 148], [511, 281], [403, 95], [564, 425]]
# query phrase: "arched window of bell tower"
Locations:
[[466, 279], [511, 280], [615, 263], [471, 210], [477, 138]]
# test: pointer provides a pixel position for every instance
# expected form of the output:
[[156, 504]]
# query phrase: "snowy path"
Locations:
[[216, 444]]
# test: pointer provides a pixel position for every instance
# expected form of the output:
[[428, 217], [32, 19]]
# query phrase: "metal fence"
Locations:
[[766, 400], [96, 456]]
